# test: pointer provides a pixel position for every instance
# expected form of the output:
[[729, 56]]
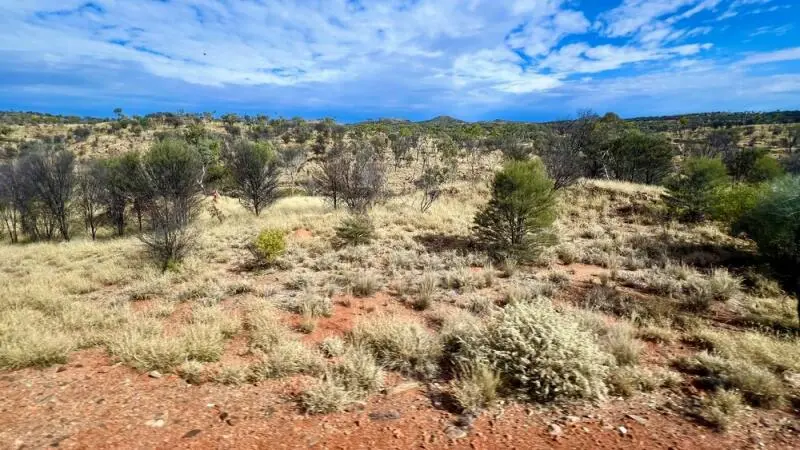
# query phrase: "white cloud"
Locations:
[[789, 54], [581, 58], [397, 54]]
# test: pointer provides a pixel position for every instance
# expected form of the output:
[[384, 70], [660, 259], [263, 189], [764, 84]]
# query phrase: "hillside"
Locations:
[[439, 285]]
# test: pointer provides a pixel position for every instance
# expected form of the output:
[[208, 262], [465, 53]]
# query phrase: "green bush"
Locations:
[[766, 168], [268, 246], [692, 190], [753, 165], [774, 224], [732, 201], [539, 354], [516, 220], [356, 229]]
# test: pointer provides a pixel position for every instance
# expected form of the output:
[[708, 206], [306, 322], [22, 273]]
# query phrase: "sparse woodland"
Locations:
[[495, 264]]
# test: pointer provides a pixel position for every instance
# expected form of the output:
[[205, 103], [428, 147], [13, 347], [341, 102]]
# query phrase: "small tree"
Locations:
[[10, 199], [292, 159], [49, 172], [774, 224], [255, 171], [329, 179], [364, 179], [638, 157], [171, 170], [564, 155], [692, 190], [91, 193], [522, 208]]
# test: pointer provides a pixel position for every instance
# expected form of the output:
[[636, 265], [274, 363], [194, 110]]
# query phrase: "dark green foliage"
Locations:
[[356, 229], [638, 157], [766, 168], [774, 224], [515, 221], [254, 168], [81, 133], [732, 201], [753, 165], [692, 190], [172, 171]]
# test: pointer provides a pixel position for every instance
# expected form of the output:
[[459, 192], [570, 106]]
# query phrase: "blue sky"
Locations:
[[358, 59]]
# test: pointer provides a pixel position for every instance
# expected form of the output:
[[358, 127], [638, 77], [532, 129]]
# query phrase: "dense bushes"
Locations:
[[515, 221], [36, 191], [638, 157], [692, 189], [539, 354], [774, 224]]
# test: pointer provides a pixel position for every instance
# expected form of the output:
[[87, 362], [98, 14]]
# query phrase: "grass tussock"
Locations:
[[721, 408], [398, 344], [476, 387], [758, 386]]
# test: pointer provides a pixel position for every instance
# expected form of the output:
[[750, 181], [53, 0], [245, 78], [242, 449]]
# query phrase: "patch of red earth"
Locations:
[[347, 310], [584, 273], [89, 403], [302, 234]]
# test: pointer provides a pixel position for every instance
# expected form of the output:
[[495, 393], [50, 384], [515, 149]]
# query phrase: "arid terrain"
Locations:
[[688, 341]]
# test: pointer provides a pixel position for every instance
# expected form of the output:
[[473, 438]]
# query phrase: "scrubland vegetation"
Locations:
[[523, 263]]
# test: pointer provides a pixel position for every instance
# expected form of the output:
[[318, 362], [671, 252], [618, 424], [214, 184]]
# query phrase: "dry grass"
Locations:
[[59, 298], [398, 343], [476, 387], [721, 408]]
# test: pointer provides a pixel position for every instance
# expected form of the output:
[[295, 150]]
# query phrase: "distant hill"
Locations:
[[444, 121]]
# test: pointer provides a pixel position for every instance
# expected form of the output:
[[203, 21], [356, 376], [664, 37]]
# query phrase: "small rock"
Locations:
[[465, 420], [154, 374], [397, 434], [622, 430], [192, 433], [572, 419], [555, 430], [455, 433], [385, 415], [155, 423], [638, 419], [61, 369]]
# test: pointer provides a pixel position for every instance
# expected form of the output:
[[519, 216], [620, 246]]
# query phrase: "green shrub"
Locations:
[[268, 246], [774, 224], [356, 229], [766, 168], [539, 354], [732, 201], [692, 189], [515, 221]]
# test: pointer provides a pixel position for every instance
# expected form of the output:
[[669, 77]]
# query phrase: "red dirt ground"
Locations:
[[93, 403]]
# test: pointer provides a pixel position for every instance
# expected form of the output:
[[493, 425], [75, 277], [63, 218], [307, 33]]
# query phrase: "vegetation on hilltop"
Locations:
[[496, 261]]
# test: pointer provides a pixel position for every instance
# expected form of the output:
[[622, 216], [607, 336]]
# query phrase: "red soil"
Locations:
[[91, 402]]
